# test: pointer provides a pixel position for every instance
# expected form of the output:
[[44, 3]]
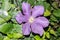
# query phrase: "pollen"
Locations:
[[31, 19]]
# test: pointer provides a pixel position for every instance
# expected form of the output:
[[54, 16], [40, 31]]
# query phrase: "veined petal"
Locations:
[[21, 18], [26, 8], [26, 29], [42, 21], [37, 28], [37, 10]]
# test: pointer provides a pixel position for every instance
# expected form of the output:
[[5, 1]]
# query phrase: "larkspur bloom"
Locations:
[[33, 20]]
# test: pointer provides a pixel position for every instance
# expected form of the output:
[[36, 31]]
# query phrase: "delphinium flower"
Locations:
[[31, 19]]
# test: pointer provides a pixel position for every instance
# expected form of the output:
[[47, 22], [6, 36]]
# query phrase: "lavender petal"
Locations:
[[26, 29], [26, 8], [37, 10], [42, 21], [21, 18], [36, 28]]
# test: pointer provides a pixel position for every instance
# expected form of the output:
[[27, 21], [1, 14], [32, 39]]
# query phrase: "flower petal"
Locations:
[[21, 18], [26, 28], [37, 28], [42, 21], [37, 10], [26, 8]]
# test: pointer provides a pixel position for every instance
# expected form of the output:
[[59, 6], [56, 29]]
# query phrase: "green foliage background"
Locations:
[[11, 30]]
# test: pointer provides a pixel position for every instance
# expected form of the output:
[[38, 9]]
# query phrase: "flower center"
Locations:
[[31, 19]]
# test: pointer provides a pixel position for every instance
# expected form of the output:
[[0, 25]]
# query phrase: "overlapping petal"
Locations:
[[42, 21], [26, 8], [21, 18], [37, 28], [37, 10], [26, 28]]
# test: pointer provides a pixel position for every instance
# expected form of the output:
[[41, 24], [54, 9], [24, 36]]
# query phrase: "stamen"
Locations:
[[31, 19]]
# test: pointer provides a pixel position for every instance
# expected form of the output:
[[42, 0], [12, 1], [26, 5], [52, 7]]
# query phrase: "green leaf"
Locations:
[[15, 35], [58, 38], [32, 2], [14, 20], [29, 38], [53, 32], [53, 37], [6, 28], [6, 5], [47, 6], [7, 18], [58, 29], [56, 13], [1, 37], [53, 18], [55, 5], [14, 39], [17, 30], [4, 16], [47, 35], [6, 38], [44, 35], [41, 0], [37, 37], [47, 13], [10, 35], [13, 16], [2, 21]]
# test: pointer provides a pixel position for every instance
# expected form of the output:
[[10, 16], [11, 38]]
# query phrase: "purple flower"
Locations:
[[33, 20]]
